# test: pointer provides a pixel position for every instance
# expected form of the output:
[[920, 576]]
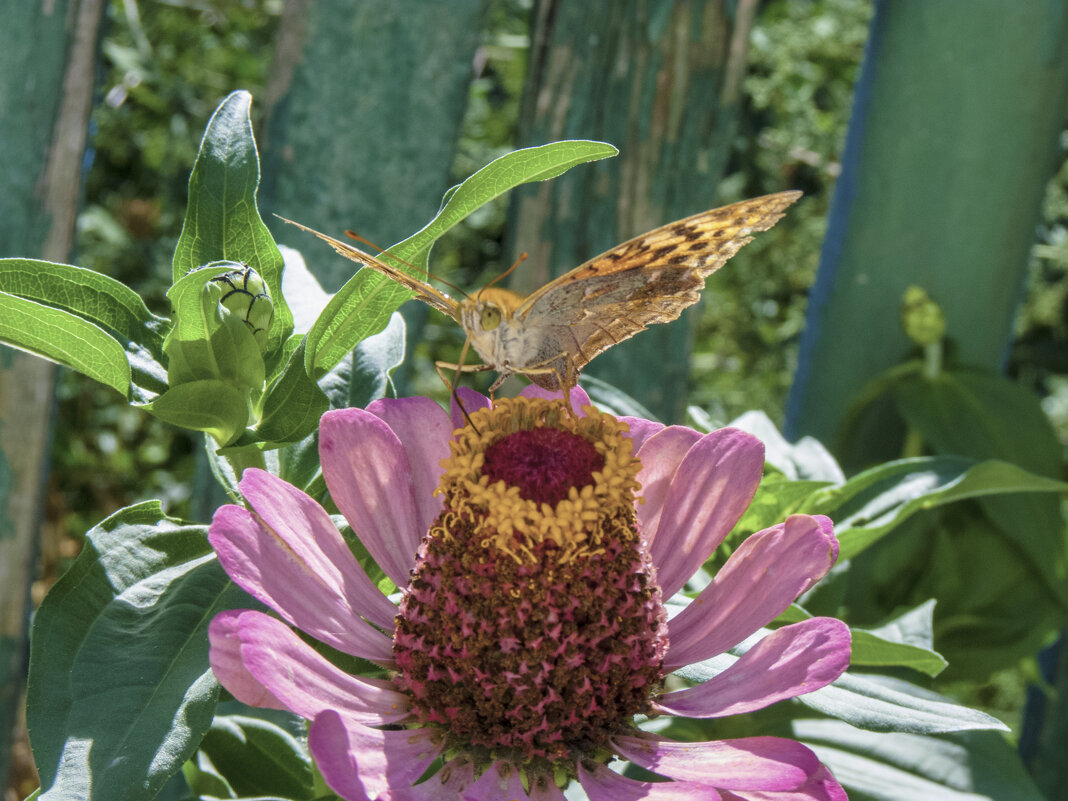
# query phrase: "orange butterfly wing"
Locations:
[[649, 279]]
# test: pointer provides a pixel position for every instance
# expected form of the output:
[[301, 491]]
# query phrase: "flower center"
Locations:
[[533, 628], [544, 463]]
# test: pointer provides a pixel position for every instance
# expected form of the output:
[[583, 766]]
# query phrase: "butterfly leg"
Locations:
[[457, 369], [564, 382]]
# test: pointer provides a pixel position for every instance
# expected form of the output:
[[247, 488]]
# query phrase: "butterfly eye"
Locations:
[[490, 318]]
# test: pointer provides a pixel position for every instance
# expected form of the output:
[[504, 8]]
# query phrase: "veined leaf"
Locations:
[[94, 297], [872, 503], [64, 338], [969, 766], [104, 695], [222, 221], [215, 407], [257, 757]]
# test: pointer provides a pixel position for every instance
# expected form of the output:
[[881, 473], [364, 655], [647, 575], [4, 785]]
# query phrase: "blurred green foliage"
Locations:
[[1039, 358], [803, 61]]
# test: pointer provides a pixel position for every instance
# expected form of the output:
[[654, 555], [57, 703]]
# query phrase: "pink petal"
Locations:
[[445, 785], [602, 784], [229, 668], [424, 430], [545, 789], [367, 470], [500, 783], [760, 579], [711, 489], [360, 763], [275, 571], [752, 763], [308, 534], [471, 400], [579, 397], [790, 661], [274, 660], [660, 456], [820, 787], [641, 429]]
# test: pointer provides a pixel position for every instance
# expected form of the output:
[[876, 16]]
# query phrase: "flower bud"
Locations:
[[246, 295], [921, 317]]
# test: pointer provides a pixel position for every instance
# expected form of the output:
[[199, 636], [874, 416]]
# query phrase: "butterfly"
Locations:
[[554, 332]]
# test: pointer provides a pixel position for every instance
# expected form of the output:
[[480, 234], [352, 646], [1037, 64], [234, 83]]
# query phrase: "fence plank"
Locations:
[[47, 52], [660, 80], [952, 141]]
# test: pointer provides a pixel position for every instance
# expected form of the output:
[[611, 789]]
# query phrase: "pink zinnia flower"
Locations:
[[531, 627]]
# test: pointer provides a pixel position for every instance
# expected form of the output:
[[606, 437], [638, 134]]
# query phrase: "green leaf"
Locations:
[[293, 406], [880, 703], [217, 408], [970, 766], [905, 641], [775, 500], [372, 362], [64, 338], [872, 650], [363, 305], [303, 292], [257, 757], [982, 416], [94, 297], [872, 503], [804, 459], [876, 703], [986, 416], [186, 296], [222, 221], [102, 301], [120, 692]]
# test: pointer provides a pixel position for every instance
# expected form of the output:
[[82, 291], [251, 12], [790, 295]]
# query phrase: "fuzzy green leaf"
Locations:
[[119, 656], [969, 766]]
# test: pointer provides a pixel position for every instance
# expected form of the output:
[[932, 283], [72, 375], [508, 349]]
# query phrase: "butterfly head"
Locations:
[[488, 308]]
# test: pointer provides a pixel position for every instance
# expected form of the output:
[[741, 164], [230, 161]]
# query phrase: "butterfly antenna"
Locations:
[[522, 258], [373, 246]]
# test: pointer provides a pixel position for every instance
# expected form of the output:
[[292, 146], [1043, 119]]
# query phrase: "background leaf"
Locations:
[[260, 754], [872, 503], [120, 692], [880, 703], [970, 766]]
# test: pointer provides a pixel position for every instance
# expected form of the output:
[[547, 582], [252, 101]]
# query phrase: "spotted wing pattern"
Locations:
[[646, 280]]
